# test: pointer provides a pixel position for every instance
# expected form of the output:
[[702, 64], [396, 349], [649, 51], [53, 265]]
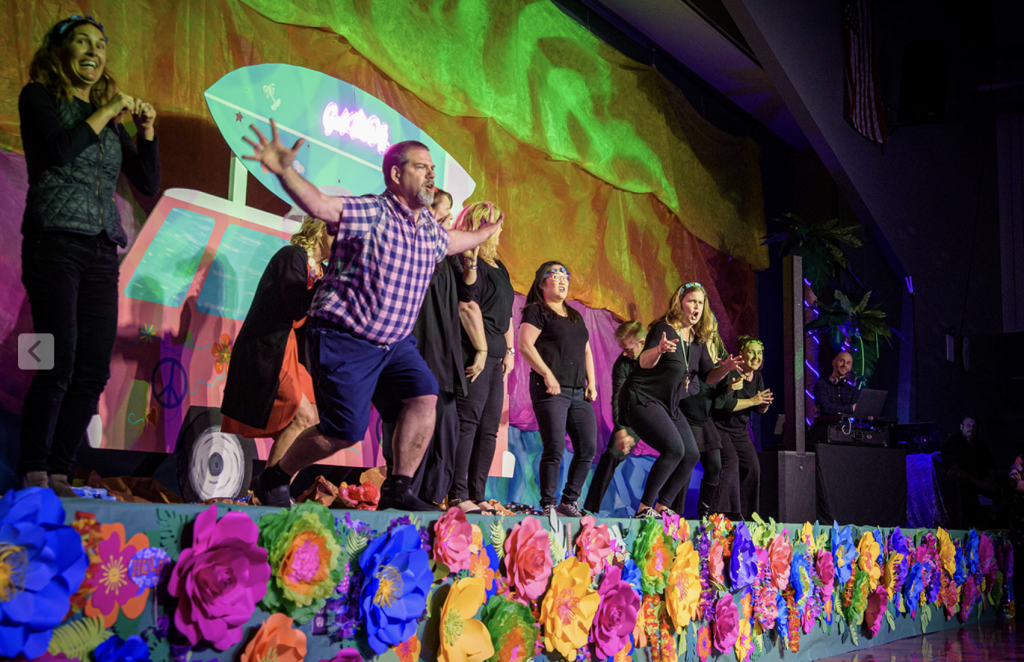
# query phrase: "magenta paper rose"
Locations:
[[616, 615], [727, 624], [878, 600], [453, 536], [219, 580], [527, 559], [594, 544], [780, 556], [826, 568], [987, 556], [348, 654]]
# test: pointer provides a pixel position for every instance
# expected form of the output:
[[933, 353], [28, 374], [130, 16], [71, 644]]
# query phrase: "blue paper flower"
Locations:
[[782, 620], [973, 557], [880, 539], [844, 552], [116, 649], [960, 576], [743, 563], [800, 578], [394, 595], [631, 574], [898, 542], [42, 563], [914, 586]]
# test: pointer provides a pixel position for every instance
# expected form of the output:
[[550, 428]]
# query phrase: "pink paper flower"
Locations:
[[594, 544], [716, 562], [878, 600], [727, 623], [616, 615], [987, 556], [219, 580], [453, 536], [527, 559], [345, 655], [780, 555]]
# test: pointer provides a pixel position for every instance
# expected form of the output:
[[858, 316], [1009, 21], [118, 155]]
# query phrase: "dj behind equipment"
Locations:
[[846, 414]]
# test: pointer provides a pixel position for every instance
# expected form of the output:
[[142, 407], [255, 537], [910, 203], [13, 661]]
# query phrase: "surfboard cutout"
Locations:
[[347, 130]]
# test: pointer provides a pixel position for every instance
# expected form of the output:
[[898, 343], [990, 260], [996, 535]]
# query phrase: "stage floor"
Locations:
[[1000, 641]]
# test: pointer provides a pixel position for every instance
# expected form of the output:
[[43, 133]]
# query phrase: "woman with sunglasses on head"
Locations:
[[480, 407], [736, 397], [75, 147], [555, 343], [696, 407], [674, 355]]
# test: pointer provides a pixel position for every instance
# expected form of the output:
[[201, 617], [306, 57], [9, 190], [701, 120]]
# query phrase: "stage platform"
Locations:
[[407, 581]]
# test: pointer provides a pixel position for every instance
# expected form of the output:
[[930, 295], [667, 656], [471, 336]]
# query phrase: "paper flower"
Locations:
[[114, 589], [972, 550], [716, 563], [986, 557], [42, 563], [616, 614], [652, 556], [726, 623], [914, 587], [867, 558], [512, 627], [302, 549], [527, 558], [276, 640], [947, 552], [452, 538], [843, 552], [970, 596], [631, 575], [704, 643], [463, 637], [780, 555], [116, 649], [682, 595], [744, 641], [221, 351], [890, 574], [219, 580], [567, 612], [484, 564], [345, 655], [743, 564], [593, 544], [409, 650], [898, 542], [394, 594]]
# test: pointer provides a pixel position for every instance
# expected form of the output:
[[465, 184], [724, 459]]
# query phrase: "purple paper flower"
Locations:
[[219, 580], [616, 615], [743, 563]]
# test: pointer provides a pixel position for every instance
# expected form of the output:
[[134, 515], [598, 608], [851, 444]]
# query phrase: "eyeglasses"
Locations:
[[558, 272], [62, 27]]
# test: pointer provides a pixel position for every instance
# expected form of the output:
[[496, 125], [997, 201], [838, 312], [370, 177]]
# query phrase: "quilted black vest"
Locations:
[[79, 197]]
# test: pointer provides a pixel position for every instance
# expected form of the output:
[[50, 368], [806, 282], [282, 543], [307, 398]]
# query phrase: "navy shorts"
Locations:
[[349, 374]]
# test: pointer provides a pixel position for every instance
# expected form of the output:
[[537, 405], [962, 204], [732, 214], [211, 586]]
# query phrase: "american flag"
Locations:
[[862, 102]]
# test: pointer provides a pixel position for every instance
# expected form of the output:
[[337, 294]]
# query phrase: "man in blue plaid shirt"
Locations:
[[359, 345]]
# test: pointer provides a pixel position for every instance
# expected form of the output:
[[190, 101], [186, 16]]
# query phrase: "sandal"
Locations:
[[466, 506]]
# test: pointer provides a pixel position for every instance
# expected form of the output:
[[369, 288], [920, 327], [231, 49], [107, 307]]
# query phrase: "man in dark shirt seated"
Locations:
[[630, 337], [978, 478], [837, 393]]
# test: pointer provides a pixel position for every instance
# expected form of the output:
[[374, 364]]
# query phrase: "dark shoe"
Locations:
[[547, 510], [406, 501], [569, 509], [666, 511], [62, 487], [644, 513], [35, 479], [269, 494]]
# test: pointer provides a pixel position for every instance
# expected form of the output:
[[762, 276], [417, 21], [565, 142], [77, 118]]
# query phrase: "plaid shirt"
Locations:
[[380, 268]]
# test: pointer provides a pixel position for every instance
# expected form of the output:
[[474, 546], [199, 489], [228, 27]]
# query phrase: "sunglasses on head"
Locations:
[[688, 286], [58, 31], [558, 272]]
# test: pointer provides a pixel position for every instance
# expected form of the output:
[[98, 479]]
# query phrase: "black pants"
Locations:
[[569, 412], [711, 462], [479, 418], [603, 476], [740, 486], [434, 475], [671, 436], [71, 280]]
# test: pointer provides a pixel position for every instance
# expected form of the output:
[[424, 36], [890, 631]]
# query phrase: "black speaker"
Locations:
[[923, 83]]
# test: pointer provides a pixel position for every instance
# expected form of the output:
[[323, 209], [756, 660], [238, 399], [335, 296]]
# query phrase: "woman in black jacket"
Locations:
[[75, 148], [268, 392]]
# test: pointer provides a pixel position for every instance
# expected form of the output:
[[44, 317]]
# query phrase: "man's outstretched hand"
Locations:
[[272, 153]]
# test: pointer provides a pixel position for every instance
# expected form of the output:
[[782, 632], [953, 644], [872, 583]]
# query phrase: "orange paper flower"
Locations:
[[222, 352], [567, 612], [276, 640]]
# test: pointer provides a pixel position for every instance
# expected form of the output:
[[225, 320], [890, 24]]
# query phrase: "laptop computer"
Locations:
[[870, 403]]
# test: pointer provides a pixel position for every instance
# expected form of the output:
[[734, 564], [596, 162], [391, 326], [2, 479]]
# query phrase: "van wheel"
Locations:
[[211, 463]]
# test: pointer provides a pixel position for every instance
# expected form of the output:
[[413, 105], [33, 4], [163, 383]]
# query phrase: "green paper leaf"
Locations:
[[125, 627], [853, 636], [79, 638], [841, 622], [890, 619], [926, 617], [498, 536], [441, 571], [172, 524], [355, 544]]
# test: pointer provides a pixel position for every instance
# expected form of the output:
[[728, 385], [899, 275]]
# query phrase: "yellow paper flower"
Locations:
[[807, 536], [891, 573], [568, 608], [947, 552], [744, 640], [868, 558], [682, 594], [463, 637]]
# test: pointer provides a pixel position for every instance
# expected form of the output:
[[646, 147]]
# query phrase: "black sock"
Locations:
[[400, 484], [275, 476]]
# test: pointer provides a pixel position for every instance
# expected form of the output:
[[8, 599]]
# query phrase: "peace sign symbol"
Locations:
[[174, 383]]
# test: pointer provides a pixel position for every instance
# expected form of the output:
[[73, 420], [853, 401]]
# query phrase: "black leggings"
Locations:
[[672, 438], [568, 412], [711, 462]]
